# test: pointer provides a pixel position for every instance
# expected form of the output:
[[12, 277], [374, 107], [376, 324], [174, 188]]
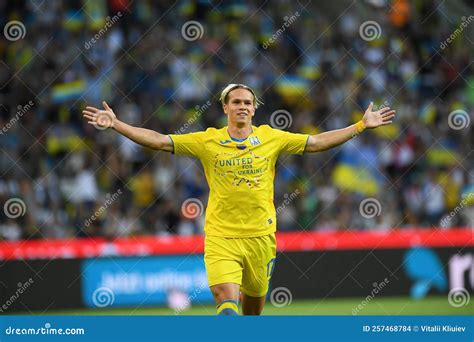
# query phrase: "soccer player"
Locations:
[[239, 164]]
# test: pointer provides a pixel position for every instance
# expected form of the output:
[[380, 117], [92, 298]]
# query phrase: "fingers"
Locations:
[[91, 117], [86, 112], [92, 109], [371, 105], [388, 118], [389, 113], [106, 106], [384, 110]]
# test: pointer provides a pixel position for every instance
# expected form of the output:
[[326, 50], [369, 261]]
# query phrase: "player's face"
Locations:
[[239, 107]]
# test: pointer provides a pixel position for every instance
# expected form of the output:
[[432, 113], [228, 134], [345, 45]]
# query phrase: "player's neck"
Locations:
[[239, 132]]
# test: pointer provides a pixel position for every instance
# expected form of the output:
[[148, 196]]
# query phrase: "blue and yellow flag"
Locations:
[[355, 173], [68, 91]]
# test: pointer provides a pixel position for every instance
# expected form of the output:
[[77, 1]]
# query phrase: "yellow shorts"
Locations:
[[248, 262]]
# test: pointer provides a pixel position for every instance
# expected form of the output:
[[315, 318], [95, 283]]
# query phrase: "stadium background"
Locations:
[[161, 65]]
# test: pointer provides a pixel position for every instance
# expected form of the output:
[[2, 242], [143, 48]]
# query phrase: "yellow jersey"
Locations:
[[240, 174]]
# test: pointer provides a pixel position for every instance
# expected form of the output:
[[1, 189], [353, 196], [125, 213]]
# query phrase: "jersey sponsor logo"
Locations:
[[223, 142], [254, 141], [241, 167]]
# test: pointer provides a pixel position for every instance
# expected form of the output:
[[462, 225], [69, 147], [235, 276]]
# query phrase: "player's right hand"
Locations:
[[101, 119]]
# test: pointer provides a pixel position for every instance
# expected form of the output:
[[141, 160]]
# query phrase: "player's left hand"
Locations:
[[379, 117]]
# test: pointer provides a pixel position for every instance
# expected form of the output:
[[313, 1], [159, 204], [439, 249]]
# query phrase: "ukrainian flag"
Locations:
[[292, 85], [444, 153], [309, 70], [354, 174], [68, 91]]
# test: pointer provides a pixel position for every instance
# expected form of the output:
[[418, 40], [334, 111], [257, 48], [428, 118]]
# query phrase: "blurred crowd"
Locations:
[[310, 60]]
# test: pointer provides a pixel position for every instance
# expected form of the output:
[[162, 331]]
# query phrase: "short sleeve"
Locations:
[[291, 143], [191, 144]]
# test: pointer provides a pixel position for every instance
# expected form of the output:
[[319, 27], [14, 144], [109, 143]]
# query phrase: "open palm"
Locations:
[[379, 117], [101, 119]]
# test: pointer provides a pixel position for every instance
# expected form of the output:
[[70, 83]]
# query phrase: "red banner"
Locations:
[[291, 241]]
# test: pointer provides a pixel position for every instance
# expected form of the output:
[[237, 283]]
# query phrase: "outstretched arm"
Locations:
[[103, 119], [330, 139]]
